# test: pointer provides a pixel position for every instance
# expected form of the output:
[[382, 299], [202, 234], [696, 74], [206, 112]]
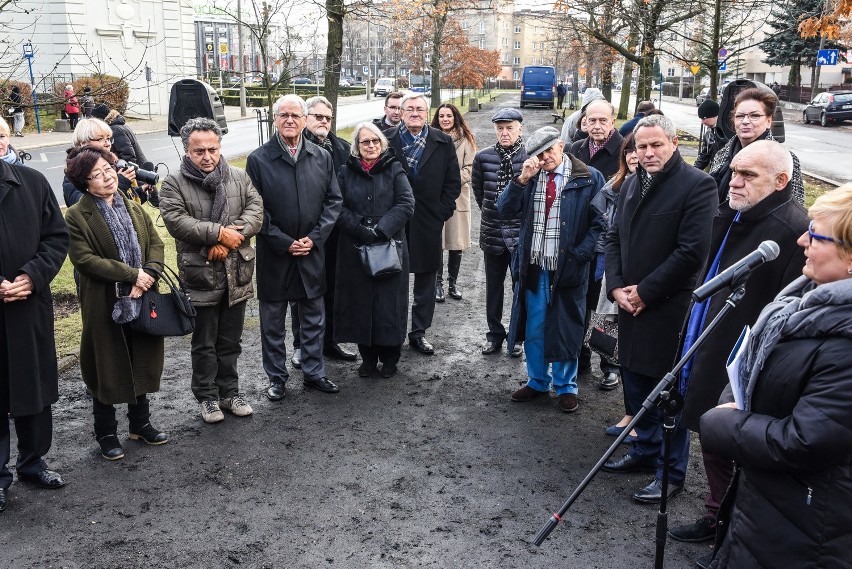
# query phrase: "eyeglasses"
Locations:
[[291, 116], [101, 174], [102, 140], [751, 117], [370, 142], [818, 237], [392, 107], [415, 110], [321, 118]]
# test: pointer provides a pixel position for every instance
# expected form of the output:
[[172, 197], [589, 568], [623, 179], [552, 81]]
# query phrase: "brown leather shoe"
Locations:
[[568, 402], [526, 393]]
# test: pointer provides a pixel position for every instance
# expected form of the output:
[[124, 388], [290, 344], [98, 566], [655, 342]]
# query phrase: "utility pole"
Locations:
[[240, 56], [815, 86], [369, 86], [29, 53]]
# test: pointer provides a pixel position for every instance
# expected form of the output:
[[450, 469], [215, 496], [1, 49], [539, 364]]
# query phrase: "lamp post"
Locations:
[[28, 53]]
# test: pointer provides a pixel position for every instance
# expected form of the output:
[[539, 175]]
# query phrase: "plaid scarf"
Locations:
[[594, 147], [413, 147], [645, 180], [545, 238], [506, 171]]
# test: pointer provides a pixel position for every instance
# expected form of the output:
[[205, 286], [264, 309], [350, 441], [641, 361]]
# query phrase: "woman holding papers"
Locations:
[[788, 505]]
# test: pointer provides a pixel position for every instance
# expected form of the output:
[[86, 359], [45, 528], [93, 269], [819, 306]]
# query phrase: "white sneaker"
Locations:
[[210, 412], [236, 405]]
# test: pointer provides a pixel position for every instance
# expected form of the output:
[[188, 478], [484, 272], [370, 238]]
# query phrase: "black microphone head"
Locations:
[[769, 249]]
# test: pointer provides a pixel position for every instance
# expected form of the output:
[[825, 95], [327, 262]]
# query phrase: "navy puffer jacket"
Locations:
[[496, 234]]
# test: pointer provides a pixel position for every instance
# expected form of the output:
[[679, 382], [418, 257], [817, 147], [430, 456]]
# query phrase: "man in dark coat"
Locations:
[[712, 136], [493, 168], [642, 110], [429, 159], [656, 248], [760, 207], [561, 91], [601, 150], [33, 245], [559, 229], [301, 199], [392, 112], [318, 130]]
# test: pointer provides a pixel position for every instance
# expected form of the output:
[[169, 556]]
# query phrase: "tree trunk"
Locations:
[[440, 22], [714, 55], [795, 77], [627, 75], [333, 53], [606, 73]]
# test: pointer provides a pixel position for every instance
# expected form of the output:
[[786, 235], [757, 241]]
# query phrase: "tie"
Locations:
[[551, 193]]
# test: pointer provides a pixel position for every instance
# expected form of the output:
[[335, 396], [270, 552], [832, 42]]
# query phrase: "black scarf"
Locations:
[[645, 180], [506, 171], [212, 183], [325, 143]]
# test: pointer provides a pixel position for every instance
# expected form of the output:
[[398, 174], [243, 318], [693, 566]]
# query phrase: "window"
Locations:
[[517, 29], [515, 75], [481, 27], [670, 72], [517, 45], [505, 42], [516, 61], [482, 42], [464, 25]]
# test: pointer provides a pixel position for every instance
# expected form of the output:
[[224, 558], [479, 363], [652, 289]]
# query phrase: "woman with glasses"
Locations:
[[456, 236], [377, 203], [752, 119], [789, 427], [112, 238]]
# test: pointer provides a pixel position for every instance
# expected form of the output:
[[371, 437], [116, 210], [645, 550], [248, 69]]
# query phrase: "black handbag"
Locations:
[[381, 259], [165, 314], [602, 335]]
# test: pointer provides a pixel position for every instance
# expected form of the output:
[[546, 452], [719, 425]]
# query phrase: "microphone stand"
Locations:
[[671, 402]]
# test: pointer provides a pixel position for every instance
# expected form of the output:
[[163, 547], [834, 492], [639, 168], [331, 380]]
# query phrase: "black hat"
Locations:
[[708, 109], [507, 114], [100, 111]]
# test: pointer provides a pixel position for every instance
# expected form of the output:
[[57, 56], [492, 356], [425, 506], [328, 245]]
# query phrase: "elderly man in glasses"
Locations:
[[760, 206], [298, 184], [429, 159], [318, 130]]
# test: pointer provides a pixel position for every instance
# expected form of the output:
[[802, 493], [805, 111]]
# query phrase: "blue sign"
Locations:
[[723, 65], [827, 56]]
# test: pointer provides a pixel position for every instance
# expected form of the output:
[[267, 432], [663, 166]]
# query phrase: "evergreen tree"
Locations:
[[786, 46]]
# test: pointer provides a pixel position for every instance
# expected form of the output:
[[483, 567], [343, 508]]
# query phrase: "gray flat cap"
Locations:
[[507, 114], [541, 140]]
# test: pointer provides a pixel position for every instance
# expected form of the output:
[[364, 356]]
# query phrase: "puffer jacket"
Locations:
[[496, 234], [186, 209]]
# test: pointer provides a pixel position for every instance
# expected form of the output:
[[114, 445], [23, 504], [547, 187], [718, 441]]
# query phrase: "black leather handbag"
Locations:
[[381, 259], [602, 335], [165, 314]]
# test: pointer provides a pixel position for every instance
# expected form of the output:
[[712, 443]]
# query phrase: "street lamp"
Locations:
[[29, 54]]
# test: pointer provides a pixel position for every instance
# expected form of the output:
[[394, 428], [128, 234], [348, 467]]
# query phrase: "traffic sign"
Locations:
[[722, 52], [223, 48], [827, 56], [208, 47], [723, 65], [694, 69]]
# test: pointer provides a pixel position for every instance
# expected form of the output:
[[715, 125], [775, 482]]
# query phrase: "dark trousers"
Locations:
[[374, 354], [35, 435], [453, 266], [649, 445], [496, 267], [559, 100], [215, 349], [423, 306], [720, 472], [328, 297], [273, 337], [138, 415]]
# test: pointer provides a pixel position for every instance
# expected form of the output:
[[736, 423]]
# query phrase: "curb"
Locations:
[[834, 183]]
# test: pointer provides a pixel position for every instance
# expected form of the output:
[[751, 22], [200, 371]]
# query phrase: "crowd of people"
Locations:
[[603, 224]]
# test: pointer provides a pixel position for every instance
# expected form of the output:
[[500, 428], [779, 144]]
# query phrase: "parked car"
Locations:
[[301, 81], [383, 86], [538, 85], [828, 107], [702, 96], [344, 83]]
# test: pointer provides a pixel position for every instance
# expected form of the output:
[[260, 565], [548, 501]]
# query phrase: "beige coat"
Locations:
[[456, 236]]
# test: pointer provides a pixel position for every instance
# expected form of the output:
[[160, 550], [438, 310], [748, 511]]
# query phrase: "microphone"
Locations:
[[767, 251]]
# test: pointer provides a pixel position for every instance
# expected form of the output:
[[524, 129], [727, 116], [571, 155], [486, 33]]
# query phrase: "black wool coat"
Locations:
[[779, 218], [436, 187], [606, 160], [366, 310], [33, 241], [300, 199], [496, 234], [659, 242]]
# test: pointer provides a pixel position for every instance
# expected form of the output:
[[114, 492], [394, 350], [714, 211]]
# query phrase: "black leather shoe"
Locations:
[[338, 352], [46, 479], [491, 347], [275, 391], [629, 464], [702, 530], [454, 291], [296, 359], [110, 447], [322, 384], [149, 435], [388, 370], [653, 492], [366, 369], [517, 351], [2, 499], [421, 345], [439, 293], [704, 562]]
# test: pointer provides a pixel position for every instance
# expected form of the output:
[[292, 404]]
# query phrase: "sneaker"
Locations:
[[210, 412], [609, 382], [237, 405], [702, 530]]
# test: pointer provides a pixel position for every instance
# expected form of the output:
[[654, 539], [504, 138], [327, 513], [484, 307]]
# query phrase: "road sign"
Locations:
[[722, 52], [694, 69], [723, 65], [827, 56], [208, 47], [223, 48]]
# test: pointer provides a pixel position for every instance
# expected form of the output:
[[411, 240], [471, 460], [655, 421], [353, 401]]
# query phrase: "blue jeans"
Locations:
[[562, 374]]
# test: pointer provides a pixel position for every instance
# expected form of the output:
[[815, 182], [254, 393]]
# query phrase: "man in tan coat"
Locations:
[[212, 210]]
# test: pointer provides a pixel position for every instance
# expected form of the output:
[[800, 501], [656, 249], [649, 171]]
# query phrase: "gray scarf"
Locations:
[[802, 310], [212, 183], [120, 225]]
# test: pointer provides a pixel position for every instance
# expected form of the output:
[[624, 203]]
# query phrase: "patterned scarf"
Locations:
[[120, 225], [594, 147], [545, 238], [506, 171], [413, 147], [286, 147], [324, 143], [645, 180]]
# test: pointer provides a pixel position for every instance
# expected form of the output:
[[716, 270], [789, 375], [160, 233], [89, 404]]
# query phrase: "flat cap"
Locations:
[[541, 140], [708, 109], [507, 114]]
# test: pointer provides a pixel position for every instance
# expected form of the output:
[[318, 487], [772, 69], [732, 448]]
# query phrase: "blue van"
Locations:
[[538, 85]]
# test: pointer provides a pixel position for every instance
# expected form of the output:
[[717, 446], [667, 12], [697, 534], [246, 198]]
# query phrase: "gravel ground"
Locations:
[[433, 468]]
